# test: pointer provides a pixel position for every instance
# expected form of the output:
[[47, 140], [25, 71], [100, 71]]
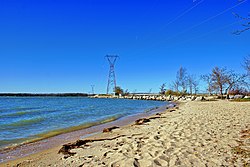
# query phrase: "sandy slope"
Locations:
[[197, 134]]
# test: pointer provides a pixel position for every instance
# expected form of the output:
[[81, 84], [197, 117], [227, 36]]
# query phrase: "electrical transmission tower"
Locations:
[[93, 89], [111, 78]]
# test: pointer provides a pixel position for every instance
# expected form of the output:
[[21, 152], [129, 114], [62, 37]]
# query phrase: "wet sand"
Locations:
[[215, 133]]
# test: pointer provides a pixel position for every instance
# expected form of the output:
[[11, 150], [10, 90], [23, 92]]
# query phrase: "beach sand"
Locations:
[[214, 133]]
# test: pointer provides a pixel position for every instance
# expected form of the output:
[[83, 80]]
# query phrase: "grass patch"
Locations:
[[242, 100]]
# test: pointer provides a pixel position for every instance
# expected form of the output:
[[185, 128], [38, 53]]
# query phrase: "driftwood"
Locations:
[[109, 129], [66, 148], [145, 120], [141, 121]]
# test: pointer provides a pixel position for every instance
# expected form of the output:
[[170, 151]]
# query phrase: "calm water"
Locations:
[[28, 119]]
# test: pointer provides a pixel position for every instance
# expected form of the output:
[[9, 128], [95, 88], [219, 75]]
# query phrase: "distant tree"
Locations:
[[224, 80], [192, 84], [150, 90], [175, 86], [208, 80], [181, 80], [235, 81], [162, 89], [118, 90], [219, 78], [126, 92], [247, 64]]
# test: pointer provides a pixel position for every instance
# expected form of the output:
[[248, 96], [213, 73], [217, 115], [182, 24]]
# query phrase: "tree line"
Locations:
[[220, 81]]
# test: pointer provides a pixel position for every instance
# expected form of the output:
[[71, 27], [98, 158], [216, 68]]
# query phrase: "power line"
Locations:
[[177, 17], [207, 33], [183, 14], [208, 19], [202, 22]]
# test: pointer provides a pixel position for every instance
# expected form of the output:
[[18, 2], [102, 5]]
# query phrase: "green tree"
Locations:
[[118, 90]]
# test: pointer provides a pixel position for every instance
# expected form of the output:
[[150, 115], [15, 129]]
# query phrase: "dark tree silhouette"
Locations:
[[163, 88]]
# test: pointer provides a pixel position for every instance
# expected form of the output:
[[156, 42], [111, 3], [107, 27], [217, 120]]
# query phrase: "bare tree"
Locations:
[[181, 79], [208, 80], [195, 85], [245, 24], [163, 88], [192, 84], [175, 86], [247, 64], [219, 78], [235, 81]]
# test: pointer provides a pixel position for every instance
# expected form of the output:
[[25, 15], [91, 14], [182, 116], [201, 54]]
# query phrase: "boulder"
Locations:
[[193, 98], [200, 98], [238, 96], [210, 98]]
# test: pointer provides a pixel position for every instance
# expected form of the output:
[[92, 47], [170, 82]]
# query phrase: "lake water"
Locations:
[[27, 119]]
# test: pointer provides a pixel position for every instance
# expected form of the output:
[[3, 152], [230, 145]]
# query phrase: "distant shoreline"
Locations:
[[43, 94]]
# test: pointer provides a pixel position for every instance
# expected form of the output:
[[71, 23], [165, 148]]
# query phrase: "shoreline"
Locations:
[[23, 150], [211, 133]]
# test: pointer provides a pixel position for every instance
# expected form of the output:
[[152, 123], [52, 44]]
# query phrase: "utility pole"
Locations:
[[93, 89], [111, 78]]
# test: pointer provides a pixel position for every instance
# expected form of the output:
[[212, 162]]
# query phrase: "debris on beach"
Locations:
[[141, 121], [66, 148], [105, 130]]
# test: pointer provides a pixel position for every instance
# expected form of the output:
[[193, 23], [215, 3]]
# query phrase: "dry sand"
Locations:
[[215, 133]]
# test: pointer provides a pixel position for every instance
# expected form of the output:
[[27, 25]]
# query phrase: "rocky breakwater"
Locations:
[[182, 98], [158, 97]]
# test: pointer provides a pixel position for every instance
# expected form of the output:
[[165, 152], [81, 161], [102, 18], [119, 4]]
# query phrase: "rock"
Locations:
[[238, 96], [200, 98], [210, 98], [175, 98], [193, 98]]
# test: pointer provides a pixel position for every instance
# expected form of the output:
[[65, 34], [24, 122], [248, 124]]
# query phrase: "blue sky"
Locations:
[[59, 45]]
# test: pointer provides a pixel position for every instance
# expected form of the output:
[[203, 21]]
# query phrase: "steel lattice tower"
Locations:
[[111, 78], [93, 89]]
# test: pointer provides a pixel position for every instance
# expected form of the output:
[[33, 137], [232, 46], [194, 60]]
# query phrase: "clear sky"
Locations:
[[59, 45]]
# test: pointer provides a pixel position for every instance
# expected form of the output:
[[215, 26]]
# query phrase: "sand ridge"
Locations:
[[214, 133]]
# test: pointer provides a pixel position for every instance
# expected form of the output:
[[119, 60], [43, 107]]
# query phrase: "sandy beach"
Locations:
[[211, 133]]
